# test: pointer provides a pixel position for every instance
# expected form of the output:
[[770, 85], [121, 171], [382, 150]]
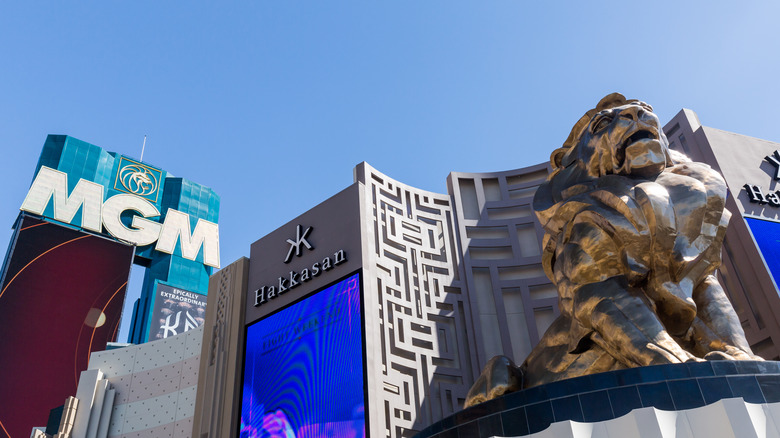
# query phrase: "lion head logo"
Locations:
[[138, 180]]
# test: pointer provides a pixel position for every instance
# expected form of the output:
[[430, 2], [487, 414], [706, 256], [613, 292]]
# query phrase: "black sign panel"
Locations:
[[175, 311]]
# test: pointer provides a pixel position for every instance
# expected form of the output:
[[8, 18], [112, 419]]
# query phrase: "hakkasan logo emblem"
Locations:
[[297, 277], [138, 179], [295, 245]]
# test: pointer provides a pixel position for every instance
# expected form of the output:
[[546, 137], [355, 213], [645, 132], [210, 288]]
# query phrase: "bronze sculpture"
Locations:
[[633, 236]]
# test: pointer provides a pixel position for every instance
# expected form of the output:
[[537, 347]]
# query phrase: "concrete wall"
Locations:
[[219, 389], [140, 391], [512, 300]]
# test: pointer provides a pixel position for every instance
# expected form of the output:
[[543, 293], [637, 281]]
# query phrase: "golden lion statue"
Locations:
[[633, 236]]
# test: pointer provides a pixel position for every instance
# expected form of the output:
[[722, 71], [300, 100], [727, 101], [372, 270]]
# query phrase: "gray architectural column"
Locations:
[[512, 300], [219, 379]]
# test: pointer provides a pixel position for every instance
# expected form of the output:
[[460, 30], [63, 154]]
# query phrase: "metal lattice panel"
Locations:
[[417, 305]]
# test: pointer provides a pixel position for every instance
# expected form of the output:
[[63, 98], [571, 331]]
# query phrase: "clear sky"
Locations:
[[272, 103]]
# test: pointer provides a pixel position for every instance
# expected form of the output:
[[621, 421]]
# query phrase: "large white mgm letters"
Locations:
[[88, 196]]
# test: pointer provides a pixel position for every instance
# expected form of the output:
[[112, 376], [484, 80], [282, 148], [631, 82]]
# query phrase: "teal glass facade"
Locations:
[[82, 160]]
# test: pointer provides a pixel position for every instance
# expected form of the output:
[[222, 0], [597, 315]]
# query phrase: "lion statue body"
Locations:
[[633, 237]]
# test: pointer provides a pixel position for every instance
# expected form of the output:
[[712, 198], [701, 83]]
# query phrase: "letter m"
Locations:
[[177, 227], [50, 183]]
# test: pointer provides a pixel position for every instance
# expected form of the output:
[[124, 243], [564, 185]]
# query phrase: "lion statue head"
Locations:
[[618, 137]]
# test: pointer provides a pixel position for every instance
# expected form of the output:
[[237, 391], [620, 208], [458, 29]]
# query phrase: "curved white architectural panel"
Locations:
[[727, 418]]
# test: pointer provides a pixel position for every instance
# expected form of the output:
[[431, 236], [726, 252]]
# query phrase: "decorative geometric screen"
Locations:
[[416, 304]]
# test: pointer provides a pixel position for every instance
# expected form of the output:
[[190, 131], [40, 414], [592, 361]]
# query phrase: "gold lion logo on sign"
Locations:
[[138, 180]]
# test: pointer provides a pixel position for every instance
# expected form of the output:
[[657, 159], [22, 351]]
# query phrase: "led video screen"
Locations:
[[61, 299], [303, 368], [175, 311], [767, 235]]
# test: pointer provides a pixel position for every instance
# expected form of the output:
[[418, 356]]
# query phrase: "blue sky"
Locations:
[[272, 103]]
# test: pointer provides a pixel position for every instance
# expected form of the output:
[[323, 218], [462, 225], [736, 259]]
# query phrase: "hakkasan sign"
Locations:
[[756, 195]]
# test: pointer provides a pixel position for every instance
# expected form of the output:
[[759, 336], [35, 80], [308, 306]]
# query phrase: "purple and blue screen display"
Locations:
[[303, 370], [767, 235]]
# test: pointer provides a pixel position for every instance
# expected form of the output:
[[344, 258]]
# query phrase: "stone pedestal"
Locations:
[[599, 398]]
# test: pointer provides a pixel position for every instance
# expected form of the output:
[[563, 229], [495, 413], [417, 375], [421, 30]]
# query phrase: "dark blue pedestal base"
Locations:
[[605, 396]]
